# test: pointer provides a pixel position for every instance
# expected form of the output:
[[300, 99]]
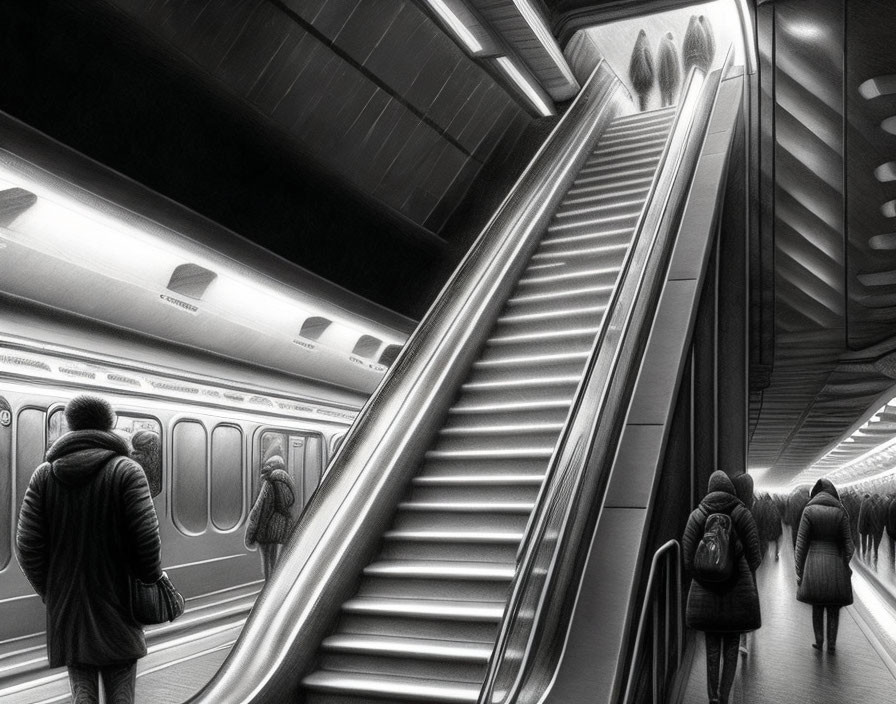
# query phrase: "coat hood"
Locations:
[[743, 487], [272, 463], [78, 455], [825, 486], [722, 497]]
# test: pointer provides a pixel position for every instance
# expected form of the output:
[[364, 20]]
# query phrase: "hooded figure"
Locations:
[[270, 521], [796, 502], [668, 70], [695, 49], [824, 548], [727, 609], [87, 526], [640, 69]]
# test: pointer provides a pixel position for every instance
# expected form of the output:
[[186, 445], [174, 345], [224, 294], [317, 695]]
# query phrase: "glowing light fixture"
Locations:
[[533, 94], [535, 21], [461, 31]]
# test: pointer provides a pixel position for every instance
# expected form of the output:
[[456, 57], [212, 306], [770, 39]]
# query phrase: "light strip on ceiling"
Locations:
[[453, 22], [536, 22], [532, 94]]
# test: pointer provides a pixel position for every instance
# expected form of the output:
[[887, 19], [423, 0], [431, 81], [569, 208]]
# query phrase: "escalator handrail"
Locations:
[[671, 552], [563, 485], [368, 473]]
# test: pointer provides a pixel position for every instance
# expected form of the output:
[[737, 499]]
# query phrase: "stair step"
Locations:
[[431, 609], [420, 569], [408, 647], [518, 507], [606, 272], [509, 453], [473, 479], [624, 233], [609, 186], [455, 536], [633, 205], [407, 689], [490, 408], [520, 429], [638, 192], [651, 142], [625, 156]]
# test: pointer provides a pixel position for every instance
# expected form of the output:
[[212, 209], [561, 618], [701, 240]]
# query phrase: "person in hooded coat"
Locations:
[[270, 521], [640, 69], [668, 70], [866, 509], [878, 520], [771, 529], [824, 548], [891, 526], [86, 527], [723, 610]]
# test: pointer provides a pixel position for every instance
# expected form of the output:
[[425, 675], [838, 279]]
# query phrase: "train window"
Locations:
[[144, 435], [227, 476], [30, 449], [302, 455], [56, 426], [5, 482], [189, 474]]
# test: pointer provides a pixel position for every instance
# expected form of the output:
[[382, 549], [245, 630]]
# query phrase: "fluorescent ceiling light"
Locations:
[[531, 92], [453, 21], [546, 39]]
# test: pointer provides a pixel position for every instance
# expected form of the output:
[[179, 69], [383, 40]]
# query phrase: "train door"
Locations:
[[302, 455]]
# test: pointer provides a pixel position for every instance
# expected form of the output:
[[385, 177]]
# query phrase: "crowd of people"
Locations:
[[665, 67], [726, 539]]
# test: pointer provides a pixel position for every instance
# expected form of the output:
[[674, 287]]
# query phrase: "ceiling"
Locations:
[[367, 145]]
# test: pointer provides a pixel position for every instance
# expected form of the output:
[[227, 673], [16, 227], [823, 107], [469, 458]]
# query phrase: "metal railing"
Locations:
[[660, 639], [521, 664]]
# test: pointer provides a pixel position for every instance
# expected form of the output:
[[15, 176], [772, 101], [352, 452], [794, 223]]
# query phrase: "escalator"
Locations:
[[422, 569], [424, 620]]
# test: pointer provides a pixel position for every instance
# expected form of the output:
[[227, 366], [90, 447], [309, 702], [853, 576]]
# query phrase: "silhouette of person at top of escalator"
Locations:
[[640, 69], [697, 48], [668, 70]]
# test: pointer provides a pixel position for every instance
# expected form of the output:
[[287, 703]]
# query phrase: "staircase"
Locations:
[[423, 623]]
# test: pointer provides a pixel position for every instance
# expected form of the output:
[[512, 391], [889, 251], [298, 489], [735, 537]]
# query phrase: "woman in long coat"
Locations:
[[824, 548], [723, 610], [270, 521]]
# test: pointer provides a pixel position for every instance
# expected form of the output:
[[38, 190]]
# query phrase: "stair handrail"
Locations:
[[670, 553], [367, 476], [588, 440]]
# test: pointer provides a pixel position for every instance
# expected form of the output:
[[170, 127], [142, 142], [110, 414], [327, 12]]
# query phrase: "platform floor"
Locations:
[[783, 667]]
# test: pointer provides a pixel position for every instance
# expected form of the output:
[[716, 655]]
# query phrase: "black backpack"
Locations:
[[714, 559]]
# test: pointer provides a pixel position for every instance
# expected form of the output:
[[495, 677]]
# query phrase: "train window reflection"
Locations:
[[227, 476], [302, 455], [189, 474], [144, 435]]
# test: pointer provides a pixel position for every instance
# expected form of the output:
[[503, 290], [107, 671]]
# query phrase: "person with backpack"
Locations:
[[721, 553], [270, 520], [824, 548]]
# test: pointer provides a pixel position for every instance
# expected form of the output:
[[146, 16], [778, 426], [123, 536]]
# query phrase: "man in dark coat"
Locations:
[[824, 548], [723, 610], [878, 522], [866, 509], [87, 525]]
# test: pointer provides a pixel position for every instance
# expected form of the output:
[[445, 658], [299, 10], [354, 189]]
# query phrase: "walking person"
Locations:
[[878, 522], [866, 510], [891, 526], [722, 608], [668, 70], [640, 70], [796, 502], [824, 548], [270, 521], [88, 527]]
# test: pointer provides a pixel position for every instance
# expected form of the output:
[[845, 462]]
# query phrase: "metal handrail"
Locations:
[[588, 440], [368, 475], [649, 606]]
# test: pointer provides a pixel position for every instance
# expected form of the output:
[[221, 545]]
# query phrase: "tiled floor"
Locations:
[[783, 668]]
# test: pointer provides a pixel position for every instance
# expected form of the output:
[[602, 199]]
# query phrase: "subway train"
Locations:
[[214, 353], [200, 441]]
